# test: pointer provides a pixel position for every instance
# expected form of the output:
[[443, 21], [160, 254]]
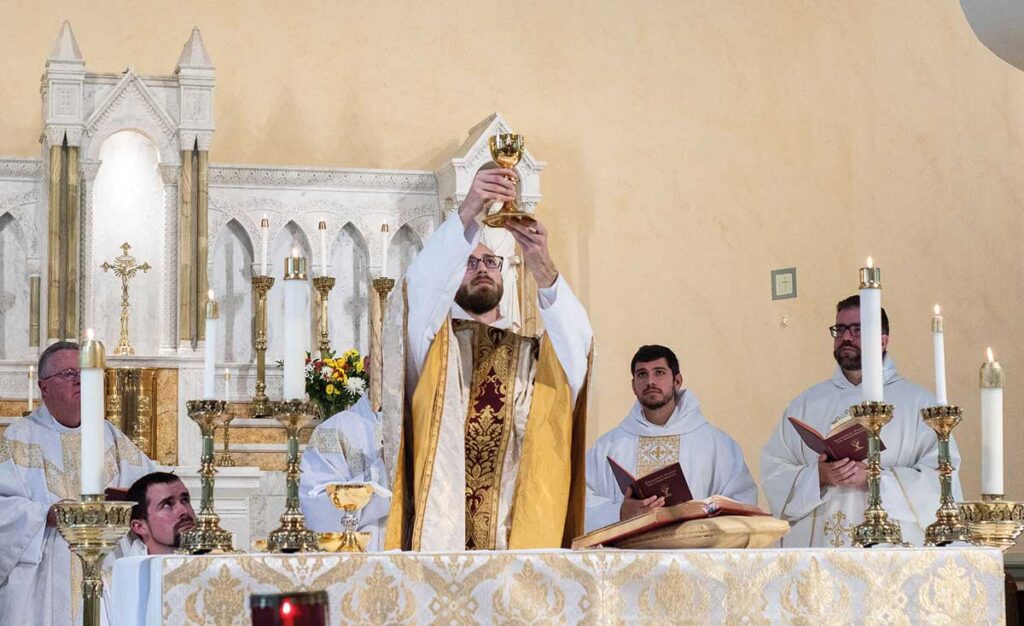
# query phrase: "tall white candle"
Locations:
[[92, 360], [209, 361], [991, 427], [384, 249], [322, 227], [227, 385], [871, 332], [31, 386], [938, 343], [296, 326], [265, 243]]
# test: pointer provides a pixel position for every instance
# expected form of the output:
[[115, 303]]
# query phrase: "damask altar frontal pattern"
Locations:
[[883, 586]]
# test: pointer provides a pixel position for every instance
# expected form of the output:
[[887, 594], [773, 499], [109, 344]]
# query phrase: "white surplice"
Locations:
[[824, 516], [346, 449], [40, 464], [430, 286], [711, 460]]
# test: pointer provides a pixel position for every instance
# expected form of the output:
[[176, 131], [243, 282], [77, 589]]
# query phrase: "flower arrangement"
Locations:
[[335, 383]]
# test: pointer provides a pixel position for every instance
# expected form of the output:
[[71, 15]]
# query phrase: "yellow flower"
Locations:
[[359, 366], [331, 390]]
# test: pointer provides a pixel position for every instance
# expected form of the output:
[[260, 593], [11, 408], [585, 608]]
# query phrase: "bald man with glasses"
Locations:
[[823, 498], [40, 457]]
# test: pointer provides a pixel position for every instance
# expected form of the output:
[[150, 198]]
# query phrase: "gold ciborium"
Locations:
[[350, 499], [506, 150]]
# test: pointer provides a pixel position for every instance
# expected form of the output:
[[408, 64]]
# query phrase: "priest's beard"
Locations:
[[655, 404], [848, 357], [483, 299]]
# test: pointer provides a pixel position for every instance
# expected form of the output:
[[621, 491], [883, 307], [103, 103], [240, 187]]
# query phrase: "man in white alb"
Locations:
[[484, 428], [664, 426], [824, 500], [40, 464]]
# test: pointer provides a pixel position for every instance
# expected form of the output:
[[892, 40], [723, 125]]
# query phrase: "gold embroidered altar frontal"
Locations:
[[846, 586]]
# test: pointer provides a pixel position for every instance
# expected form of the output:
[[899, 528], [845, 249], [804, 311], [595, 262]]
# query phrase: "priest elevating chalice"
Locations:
[[506, 150]]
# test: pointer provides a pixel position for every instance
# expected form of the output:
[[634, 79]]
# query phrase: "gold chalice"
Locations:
[[350, 499], [506, 150]]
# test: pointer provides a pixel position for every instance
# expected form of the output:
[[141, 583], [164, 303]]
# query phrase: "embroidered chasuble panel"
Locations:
[[654, 453], [333, 441], [500, 375]]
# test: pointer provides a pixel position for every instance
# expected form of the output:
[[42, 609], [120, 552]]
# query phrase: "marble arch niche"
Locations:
[[127, 205], [288, 238], [230, 279], [14, 289], [402, 248], [347, 305]]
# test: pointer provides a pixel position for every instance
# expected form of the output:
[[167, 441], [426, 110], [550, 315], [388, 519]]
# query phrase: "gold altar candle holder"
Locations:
[[948, 526], [207, 535], [382, 286], [993, 521], [224, 459], [92, 527], [323, 286], [293, 535], [260, 402], [876, 527]]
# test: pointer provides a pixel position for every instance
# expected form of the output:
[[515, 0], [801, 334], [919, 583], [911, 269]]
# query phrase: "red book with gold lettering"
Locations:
[[668, 482], [848, 439]]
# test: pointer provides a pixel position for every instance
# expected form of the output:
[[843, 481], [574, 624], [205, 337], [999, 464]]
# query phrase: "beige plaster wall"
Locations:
[[692, 148]]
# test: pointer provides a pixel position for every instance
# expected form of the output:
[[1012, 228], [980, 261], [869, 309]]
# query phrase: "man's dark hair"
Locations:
[[50, 351], [137, 492], [653, 352], [853, 302]]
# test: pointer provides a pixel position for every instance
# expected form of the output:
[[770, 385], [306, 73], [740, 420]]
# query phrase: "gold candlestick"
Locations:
[[125, 268], [207, 535], [260, 402], [323, 286], [293, 535], [993, 521], [947, 526], [92, 527], [876, 527], [224, 459]]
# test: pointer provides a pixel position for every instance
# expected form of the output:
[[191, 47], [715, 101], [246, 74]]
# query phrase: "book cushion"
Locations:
[[727, 531]]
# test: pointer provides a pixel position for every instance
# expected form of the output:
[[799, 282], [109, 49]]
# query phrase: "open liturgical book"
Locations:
[[847, 439]]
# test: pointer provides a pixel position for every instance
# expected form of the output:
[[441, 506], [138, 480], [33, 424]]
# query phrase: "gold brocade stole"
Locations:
[[489, 421]]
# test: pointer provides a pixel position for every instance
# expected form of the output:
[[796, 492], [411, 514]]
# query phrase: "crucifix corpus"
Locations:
[[125, 268]]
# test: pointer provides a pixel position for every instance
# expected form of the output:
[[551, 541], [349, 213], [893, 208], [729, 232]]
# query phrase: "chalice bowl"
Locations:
[[506, 150], [350, 499]]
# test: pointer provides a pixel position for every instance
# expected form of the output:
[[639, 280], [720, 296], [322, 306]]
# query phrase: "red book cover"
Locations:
[[668, 482]]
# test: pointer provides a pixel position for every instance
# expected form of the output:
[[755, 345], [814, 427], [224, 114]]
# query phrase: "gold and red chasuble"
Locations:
[[524, 444]]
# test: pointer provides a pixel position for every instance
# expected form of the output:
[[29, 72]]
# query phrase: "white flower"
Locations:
[[355, 385], [326, 372]]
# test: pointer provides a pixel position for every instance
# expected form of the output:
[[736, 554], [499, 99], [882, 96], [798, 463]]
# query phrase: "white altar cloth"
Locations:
[[811, 586]]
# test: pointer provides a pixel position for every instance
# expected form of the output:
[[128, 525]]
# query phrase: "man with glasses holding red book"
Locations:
[[824, 498], [40, 464], [483, 427]]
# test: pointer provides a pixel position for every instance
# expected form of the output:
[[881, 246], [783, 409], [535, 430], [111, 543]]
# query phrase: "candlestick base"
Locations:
[[948, 526], [207, 535], [993, 521], [92, 527], [293, 535], [876, 527]]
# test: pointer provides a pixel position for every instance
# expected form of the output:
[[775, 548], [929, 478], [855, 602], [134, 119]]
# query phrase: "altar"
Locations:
[[810, 586]]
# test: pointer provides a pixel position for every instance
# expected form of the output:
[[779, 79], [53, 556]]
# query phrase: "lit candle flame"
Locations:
[[227, 373], [89, 334], [870, 263], [209, 294], [295, 253], [938, 311], [990, 358]]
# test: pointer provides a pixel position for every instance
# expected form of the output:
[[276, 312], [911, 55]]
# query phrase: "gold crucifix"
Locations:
[[124, 268]]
